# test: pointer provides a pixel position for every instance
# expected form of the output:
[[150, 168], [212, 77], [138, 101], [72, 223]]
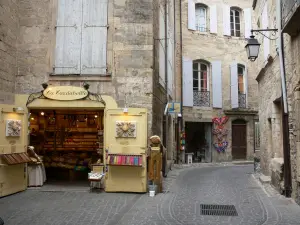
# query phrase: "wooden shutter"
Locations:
[[265, 24], [217, 84], [94, 37], [213, 19], [226, 20], [191, 15], [187, 68], [246, 84], [248, 22], [68, 37], [234, 86]]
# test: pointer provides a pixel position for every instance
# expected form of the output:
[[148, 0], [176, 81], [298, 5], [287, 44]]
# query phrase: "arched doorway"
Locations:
[[239, 139]]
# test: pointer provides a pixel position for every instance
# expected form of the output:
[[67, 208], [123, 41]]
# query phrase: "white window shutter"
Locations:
[[94, 37], [217, 84], [213, 19], [246, 85], [226, 20], [248, 22], [234, 86], [265, 25], [161, 46], [191, 15], [187, 68], [68, 37]]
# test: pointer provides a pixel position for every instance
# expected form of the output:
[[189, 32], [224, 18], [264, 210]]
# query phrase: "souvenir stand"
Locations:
[[125, 150]]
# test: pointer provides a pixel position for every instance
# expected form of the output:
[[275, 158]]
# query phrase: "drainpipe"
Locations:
[[285, 114], [166, 73], [181, 72]]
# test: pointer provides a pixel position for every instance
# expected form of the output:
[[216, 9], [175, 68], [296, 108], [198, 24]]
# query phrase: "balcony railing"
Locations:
[[201, 98], [290, 16], [242, 101]]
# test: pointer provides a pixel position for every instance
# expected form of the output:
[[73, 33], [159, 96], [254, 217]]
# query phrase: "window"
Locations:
[[200, 77], [256, 135], [241, 83], [200, 17], [235, 22], [81, 36]]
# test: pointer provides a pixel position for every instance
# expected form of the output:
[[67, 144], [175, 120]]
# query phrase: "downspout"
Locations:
[[181, 70], [166, 74], [285, 114], [181, 73]]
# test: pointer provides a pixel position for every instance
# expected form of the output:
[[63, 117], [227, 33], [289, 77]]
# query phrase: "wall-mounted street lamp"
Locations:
[[252, 49]]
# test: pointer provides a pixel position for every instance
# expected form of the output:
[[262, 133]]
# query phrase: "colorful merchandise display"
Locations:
[[220, 132], [128, 160]]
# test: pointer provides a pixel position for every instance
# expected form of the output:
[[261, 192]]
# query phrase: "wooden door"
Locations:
[[239, 141]]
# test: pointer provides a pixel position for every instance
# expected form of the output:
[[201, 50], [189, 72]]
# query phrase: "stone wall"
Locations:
[[129, 52], [269, 107], [9, 33], [211, 47]]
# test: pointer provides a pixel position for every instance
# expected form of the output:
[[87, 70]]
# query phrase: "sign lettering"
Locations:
[[65, 93]]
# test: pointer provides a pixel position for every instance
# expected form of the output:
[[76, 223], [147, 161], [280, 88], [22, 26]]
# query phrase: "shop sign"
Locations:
[[65, 93]]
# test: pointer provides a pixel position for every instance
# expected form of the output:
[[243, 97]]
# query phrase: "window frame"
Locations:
[[203, 29], [240, 66], [233, 32], [199, 71], [256, 135]]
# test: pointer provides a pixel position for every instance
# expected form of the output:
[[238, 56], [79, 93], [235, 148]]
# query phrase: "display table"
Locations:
[[36, 176], [189, 158], [95, 180]]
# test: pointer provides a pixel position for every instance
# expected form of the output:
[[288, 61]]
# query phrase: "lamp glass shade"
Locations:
[[252, 48]]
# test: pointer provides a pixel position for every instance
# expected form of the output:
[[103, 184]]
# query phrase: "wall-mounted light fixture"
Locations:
[[18, 109], [125, 110]]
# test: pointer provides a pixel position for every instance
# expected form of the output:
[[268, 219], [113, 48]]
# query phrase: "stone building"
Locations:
[[218, 80], [266, 15], [117, 47]]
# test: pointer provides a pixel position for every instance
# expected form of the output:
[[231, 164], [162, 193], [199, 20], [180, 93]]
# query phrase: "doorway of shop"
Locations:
[[198, 138], [68, 141], [239, 140]]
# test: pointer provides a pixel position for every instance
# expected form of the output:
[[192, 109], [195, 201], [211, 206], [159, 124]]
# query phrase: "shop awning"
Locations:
[[16, 158]]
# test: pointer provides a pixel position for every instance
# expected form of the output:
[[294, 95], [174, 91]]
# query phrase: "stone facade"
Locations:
[[269, 83], [227, 49], [28, 43], [9, 32]]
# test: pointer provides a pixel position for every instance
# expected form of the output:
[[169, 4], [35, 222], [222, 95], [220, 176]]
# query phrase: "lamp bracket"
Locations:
[[262, 30]]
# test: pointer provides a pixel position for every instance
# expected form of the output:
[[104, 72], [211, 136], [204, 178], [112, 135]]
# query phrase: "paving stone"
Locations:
[[185, 189]]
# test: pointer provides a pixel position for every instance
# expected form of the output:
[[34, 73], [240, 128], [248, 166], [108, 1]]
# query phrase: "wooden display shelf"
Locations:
[[78, 139], [72, 146], [70, 149], [74, 130]]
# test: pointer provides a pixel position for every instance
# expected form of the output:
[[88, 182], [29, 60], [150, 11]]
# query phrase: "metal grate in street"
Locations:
[[218, 210]]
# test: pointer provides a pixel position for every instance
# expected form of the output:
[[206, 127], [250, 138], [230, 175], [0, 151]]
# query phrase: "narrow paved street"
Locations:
[[185, 190]]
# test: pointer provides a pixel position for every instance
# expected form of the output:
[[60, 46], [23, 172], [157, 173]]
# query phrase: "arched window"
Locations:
[[200, 76], [235, 22], [201, 17]]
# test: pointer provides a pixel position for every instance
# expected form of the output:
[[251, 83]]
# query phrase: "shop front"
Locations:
[[75, 132]]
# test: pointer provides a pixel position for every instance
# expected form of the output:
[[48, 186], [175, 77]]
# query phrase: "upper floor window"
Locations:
[[235, 22], [81, 38], [200, 77], [200, 17], [241, 82]]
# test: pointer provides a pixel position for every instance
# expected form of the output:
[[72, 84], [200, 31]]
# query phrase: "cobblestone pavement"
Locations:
[[185, 189]]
